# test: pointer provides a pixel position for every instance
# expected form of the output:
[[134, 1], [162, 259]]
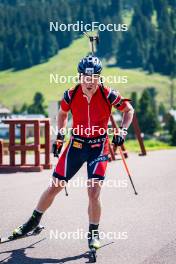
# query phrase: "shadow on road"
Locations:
[[18, 256], [166, 254]]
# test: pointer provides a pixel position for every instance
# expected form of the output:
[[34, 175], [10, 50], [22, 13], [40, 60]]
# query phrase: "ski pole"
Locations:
[[56, 155], [127, 170]]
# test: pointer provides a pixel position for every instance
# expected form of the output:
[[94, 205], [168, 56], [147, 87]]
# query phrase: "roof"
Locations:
[[173, 113], [4, 110]]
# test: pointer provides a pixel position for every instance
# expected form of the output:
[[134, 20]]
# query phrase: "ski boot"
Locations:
[[30, 225], [94, 244]]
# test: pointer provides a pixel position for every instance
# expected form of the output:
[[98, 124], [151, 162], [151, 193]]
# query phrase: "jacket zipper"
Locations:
[[88, 116], [88, 103]]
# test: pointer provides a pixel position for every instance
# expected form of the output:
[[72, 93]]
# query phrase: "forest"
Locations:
[[149, 43]]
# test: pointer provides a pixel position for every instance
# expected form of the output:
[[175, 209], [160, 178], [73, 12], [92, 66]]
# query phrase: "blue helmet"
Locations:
[[90, 65]]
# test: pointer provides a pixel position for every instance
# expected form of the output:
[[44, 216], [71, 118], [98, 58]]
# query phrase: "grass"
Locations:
[[18, 87], [150, 144], [131, 145]]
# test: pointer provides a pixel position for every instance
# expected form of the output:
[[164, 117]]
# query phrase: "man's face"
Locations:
[[89, 83]]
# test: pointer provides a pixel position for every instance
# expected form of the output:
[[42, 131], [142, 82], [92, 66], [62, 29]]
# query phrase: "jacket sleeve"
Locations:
[[65, 101], [116, 100]]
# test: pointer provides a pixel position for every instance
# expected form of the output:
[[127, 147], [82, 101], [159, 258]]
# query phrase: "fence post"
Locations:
[[1, 151]]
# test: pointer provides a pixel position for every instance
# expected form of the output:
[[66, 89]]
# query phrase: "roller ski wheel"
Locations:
[[94, 245], [37, 230], [93, 255]]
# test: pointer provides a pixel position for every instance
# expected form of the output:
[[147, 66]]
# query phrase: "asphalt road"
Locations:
[[143, 226]]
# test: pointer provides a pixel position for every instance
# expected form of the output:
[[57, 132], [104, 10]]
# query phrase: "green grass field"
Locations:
[[20, 86], [150, 145], [130, 144]]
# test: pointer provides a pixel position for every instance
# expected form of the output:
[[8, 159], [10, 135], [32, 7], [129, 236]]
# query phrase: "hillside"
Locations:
[[17, 87]]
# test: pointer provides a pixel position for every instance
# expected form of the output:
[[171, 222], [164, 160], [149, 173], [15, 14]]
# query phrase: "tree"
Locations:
[[134, 49], [173, 138], [38, 106], [24, 108], [130, 54], [147, 8], [7, 58], [159, 5], [25, 39], [15, 110], [134, 100], [26, 59], [50, 45], [1, 55], [148, 45], [148, 119], [162, 109], [170, 123], [153, 93], [37, 50]]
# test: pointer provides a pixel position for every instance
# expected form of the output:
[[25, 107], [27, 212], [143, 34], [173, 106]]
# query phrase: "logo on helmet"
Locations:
[[89, 71]]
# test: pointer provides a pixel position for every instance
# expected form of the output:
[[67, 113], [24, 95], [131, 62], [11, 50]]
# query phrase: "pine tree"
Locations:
[[170, 123], [152, 93], [173, 138], [50, 46], [37, 107], [162, 109], [25, 32], [130, 53], [26, 58], [1, 56], [147, 8], [24, 108], [134, 49], [148, 119], [134, 99], [159, 5], [15, 110], [7, 58]]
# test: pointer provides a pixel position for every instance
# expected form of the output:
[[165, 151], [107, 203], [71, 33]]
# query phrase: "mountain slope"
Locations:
[[17, 87]]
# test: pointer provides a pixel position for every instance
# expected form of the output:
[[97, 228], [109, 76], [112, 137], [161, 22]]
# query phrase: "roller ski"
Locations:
[[15, 235], [94, 245], [30, 228]]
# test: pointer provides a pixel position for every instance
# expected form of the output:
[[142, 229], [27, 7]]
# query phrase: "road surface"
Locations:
[[135, 229]]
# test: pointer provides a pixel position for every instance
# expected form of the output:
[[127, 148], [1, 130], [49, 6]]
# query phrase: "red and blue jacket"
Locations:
[[94, 113]]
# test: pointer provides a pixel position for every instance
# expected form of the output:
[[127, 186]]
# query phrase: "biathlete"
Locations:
[[90, 104]]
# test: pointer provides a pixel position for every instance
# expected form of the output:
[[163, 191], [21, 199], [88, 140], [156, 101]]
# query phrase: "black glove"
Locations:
[[119, 139], [58, 144]]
